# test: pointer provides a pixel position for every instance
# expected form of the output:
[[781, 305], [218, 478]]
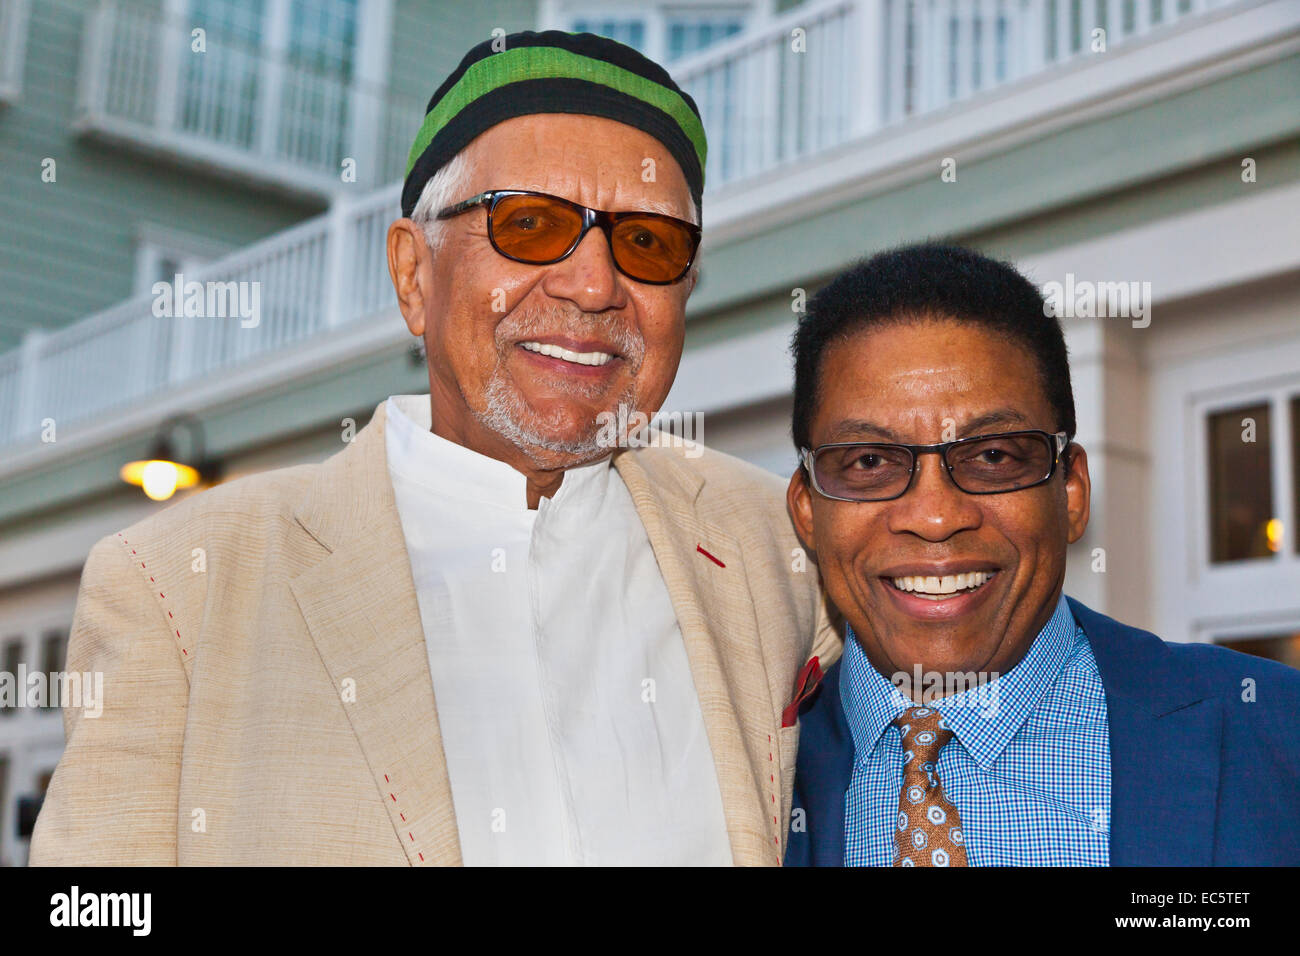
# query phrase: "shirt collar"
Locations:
[[453, 471], [984, 719]]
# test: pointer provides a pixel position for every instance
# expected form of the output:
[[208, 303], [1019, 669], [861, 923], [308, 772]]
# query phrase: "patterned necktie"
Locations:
[[929, 829]]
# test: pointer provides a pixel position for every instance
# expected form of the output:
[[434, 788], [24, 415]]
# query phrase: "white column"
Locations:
[[175, 45], [338, 272], [1031, 38], [271, 71], [1064, 20], [1114, 22], [965, 47], [370, 99], [27, 415], [868, 47]]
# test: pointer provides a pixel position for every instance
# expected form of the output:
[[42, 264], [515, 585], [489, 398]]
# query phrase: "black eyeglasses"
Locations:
[[540, 229], [982, 465]]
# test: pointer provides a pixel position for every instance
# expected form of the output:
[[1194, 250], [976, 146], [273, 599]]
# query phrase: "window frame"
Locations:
[[14, 19], [1264, 588], [560, 14], [155, 242]]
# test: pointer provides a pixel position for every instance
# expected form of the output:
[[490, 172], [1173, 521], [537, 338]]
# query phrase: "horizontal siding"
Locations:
[[68, 249]]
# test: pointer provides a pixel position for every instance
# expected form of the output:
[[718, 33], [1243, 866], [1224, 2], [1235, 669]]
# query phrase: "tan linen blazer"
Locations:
[[267, 694]]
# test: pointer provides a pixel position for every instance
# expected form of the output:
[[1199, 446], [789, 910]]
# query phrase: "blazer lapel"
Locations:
[[360, 606], [704, 570], [1165, 730]]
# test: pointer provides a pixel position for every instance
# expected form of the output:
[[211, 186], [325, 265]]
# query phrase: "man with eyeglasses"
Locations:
[[978, 716], [497, 628]]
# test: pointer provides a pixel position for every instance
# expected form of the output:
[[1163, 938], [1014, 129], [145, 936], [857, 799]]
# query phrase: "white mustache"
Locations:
[[524, 324]]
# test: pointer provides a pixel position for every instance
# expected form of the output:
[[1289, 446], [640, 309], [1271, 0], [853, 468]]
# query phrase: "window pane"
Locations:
[[1276, 647], [220, 89], [1241, 485], [53, 646], [690, 32], [630, 31], [314, 101]]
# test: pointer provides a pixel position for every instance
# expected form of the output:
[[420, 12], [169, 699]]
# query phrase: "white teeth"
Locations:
[[948, 584], [582, 358]]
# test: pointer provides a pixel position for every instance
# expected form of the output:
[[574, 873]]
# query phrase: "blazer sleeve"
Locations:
[[112, 800]]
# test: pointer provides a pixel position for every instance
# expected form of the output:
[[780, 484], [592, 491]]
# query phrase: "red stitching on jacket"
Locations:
[[409, 834], [771, 758], [700, 548], [162, 596]]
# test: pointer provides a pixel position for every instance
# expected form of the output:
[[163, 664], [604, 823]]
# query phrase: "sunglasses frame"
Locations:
[[590, 217], [807, 458]]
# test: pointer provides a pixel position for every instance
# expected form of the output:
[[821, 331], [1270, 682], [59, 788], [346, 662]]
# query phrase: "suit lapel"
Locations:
[[360, 607], [1165, 732], [704, 570], [822, 777]]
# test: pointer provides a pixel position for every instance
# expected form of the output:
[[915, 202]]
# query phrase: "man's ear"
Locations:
[[798, 499], [410, 266], [1078, 490]]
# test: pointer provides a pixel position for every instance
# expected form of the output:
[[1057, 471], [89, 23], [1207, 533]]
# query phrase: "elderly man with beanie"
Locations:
[[502, 626]]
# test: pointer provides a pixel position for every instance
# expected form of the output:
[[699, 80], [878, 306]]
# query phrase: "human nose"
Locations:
[[933, 507], [587, 277]]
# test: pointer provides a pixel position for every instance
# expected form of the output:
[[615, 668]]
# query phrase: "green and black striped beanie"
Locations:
[[554, 72]]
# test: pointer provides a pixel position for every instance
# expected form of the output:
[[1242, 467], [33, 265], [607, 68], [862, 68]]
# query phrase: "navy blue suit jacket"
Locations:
[[1199, 777]]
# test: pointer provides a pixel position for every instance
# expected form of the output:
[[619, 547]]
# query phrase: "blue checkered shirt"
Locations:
[[1028, 768]]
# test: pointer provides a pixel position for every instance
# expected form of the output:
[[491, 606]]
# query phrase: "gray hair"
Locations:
[[445, 187]]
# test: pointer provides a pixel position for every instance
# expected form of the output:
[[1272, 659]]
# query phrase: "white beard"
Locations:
[[509, 416], [506, 412]]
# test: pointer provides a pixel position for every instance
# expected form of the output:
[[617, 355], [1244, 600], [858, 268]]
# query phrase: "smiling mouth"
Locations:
[[568, 355], [940, 588]]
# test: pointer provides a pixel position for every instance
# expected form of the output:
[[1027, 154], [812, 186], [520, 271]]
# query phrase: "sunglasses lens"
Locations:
[[533, 228], [653, 250]]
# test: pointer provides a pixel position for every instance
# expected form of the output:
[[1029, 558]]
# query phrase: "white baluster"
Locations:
[[965, 48]]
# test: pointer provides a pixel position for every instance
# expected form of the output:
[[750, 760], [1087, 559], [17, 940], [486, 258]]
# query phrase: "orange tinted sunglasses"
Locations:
[[540, 229]]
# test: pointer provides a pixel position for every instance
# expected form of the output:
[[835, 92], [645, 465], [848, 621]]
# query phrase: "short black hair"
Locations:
[[929, 280]]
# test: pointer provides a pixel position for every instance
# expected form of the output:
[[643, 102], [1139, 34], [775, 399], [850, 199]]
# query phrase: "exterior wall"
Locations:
[[69, 247]]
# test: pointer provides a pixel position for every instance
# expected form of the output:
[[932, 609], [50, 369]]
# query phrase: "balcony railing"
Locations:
[[830, 71], [236, 108], [13, 44], [319, 275], [764, 106]]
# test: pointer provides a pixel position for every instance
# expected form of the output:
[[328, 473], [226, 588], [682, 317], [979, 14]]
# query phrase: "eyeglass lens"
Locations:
[[539, 230], [870, 472]]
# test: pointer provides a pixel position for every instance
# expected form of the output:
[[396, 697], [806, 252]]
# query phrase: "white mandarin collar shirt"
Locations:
[[569, 718]]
